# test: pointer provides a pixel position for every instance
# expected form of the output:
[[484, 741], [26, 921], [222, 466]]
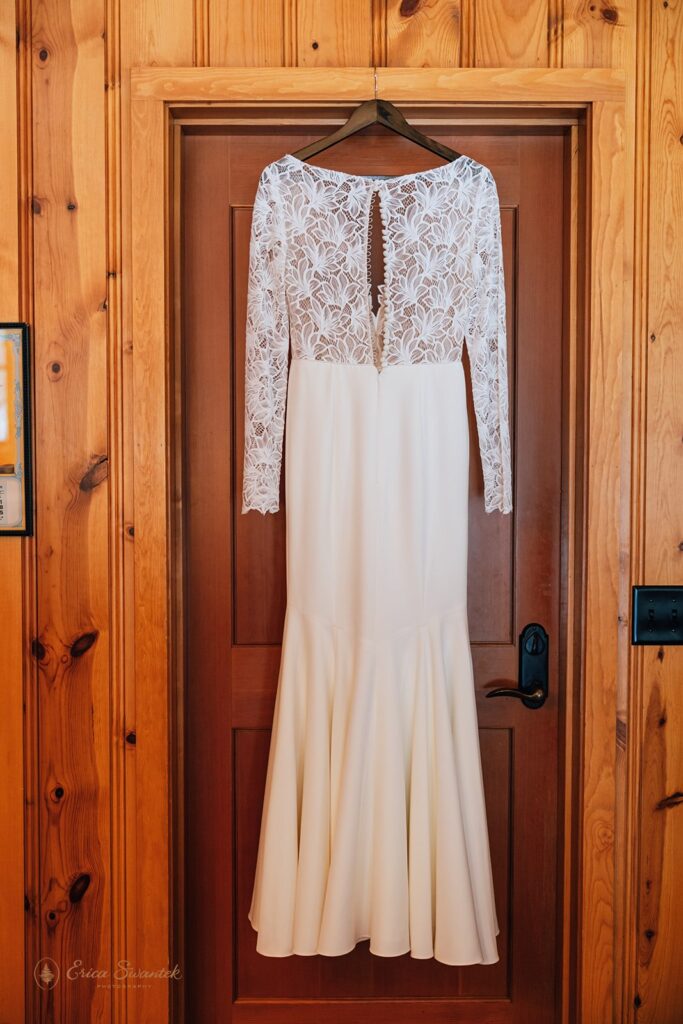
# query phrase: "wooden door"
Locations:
[[235, 598]]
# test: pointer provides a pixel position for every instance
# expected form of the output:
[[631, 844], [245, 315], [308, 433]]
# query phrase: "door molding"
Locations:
[[591, 102]]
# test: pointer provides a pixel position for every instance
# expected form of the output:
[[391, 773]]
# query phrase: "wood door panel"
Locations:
[[235, 588]]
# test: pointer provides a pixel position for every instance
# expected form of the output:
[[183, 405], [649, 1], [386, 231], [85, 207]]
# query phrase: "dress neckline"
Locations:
[[375, 180]]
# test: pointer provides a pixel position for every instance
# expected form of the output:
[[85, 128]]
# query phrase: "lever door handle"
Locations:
[[533, 668], [536, 696]]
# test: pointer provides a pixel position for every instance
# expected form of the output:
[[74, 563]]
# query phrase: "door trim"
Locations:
[[598, 482]]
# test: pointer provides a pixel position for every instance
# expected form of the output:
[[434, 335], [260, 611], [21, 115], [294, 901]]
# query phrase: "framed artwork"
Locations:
[[16, 483]]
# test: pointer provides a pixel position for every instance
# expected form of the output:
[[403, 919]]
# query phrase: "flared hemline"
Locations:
[[375, 952], [374, 806]]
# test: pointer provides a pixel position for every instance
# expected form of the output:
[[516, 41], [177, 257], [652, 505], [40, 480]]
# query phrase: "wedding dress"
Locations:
[[374, 821]]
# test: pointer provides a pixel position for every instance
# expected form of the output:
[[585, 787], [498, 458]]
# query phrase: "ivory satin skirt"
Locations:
[[374, 821]]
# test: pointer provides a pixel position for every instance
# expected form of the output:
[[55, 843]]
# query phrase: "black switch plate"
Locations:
[[657, 615]]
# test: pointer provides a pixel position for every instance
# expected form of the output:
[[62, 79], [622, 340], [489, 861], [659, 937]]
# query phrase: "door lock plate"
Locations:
[[657, 615]]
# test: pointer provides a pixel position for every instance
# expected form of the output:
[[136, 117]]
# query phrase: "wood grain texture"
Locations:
[[247, 34], [469, 85], [423, 34], [119, 547], [604, 566], [251, 84], [605, 35], [502, 85], [152, 862], [571, 568], [659, 985], [333, 33], [510, 33], [71, 646], [630, 749], [13, 551], [599, 35], [144, 940]]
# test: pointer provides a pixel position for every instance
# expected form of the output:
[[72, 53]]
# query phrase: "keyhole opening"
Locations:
[[375, 253]]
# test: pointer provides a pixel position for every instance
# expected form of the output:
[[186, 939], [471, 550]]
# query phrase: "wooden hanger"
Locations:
[[376, 111]]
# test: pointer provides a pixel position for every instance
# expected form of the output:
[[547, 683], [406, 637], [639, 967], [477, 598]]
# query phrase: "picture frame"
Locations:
[[16, 464]]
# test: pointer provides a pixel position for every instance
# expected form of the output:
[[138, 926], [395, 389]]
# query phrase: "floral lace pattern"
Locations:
[[309, 287]]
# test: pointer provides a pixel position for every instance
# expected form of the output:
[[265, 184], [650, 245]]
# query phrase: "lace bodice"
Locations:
[[309, 287]]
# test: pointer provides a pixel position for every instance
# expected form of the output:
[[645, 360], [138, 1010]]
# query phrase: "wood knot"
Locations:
[[38, 650], [83, 643], [610, 15], [409, 7], [603, 834], [672, 800], [95, 474], [78, 888]]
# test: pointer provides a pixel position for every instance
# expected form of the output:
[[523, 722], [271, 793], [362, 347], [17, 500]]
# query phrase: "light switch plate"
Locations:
[[657, 615]]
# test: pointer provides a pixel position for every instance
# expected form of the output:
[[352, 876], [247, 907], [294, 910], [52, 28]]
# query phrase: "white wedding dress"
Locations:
[[374, 821]]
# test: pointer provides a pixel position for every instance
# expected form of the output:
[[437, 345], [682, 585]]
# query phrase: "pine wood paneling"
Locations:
[[510, 34], [12, 549], [248, 34], [151, 864], [72, 643], [597, 895], [605, 35], [659, 982], [599, 35], [423, 34], [470, 84], [278, 84], [150, 34], [334, 33]]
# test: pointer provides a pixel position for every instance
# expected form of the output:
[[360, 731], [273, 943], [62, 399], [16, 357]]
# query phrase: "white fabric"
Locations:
[[374, 821], [309, 283]]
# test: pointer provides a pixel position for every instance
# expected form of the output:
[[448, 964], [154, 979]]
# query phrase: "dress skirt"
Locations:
[[374, 821]]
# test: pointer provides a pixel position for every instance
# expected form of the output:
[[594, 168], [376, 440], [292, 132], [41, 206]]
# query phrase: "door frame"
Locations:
[[595, 883]]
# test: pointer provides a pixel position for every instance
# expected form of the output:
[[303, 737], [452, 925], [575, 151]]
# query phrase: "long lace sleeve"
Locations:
[[486, 348], [267, 350]]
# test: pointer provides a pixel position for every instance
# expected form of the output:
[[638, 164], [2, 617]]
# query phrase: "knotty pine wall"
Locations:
[[64, 262]]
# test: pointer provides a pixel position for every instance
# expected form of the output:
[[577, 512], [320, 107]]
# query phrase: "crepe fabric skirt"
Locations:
[[374, 821]]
